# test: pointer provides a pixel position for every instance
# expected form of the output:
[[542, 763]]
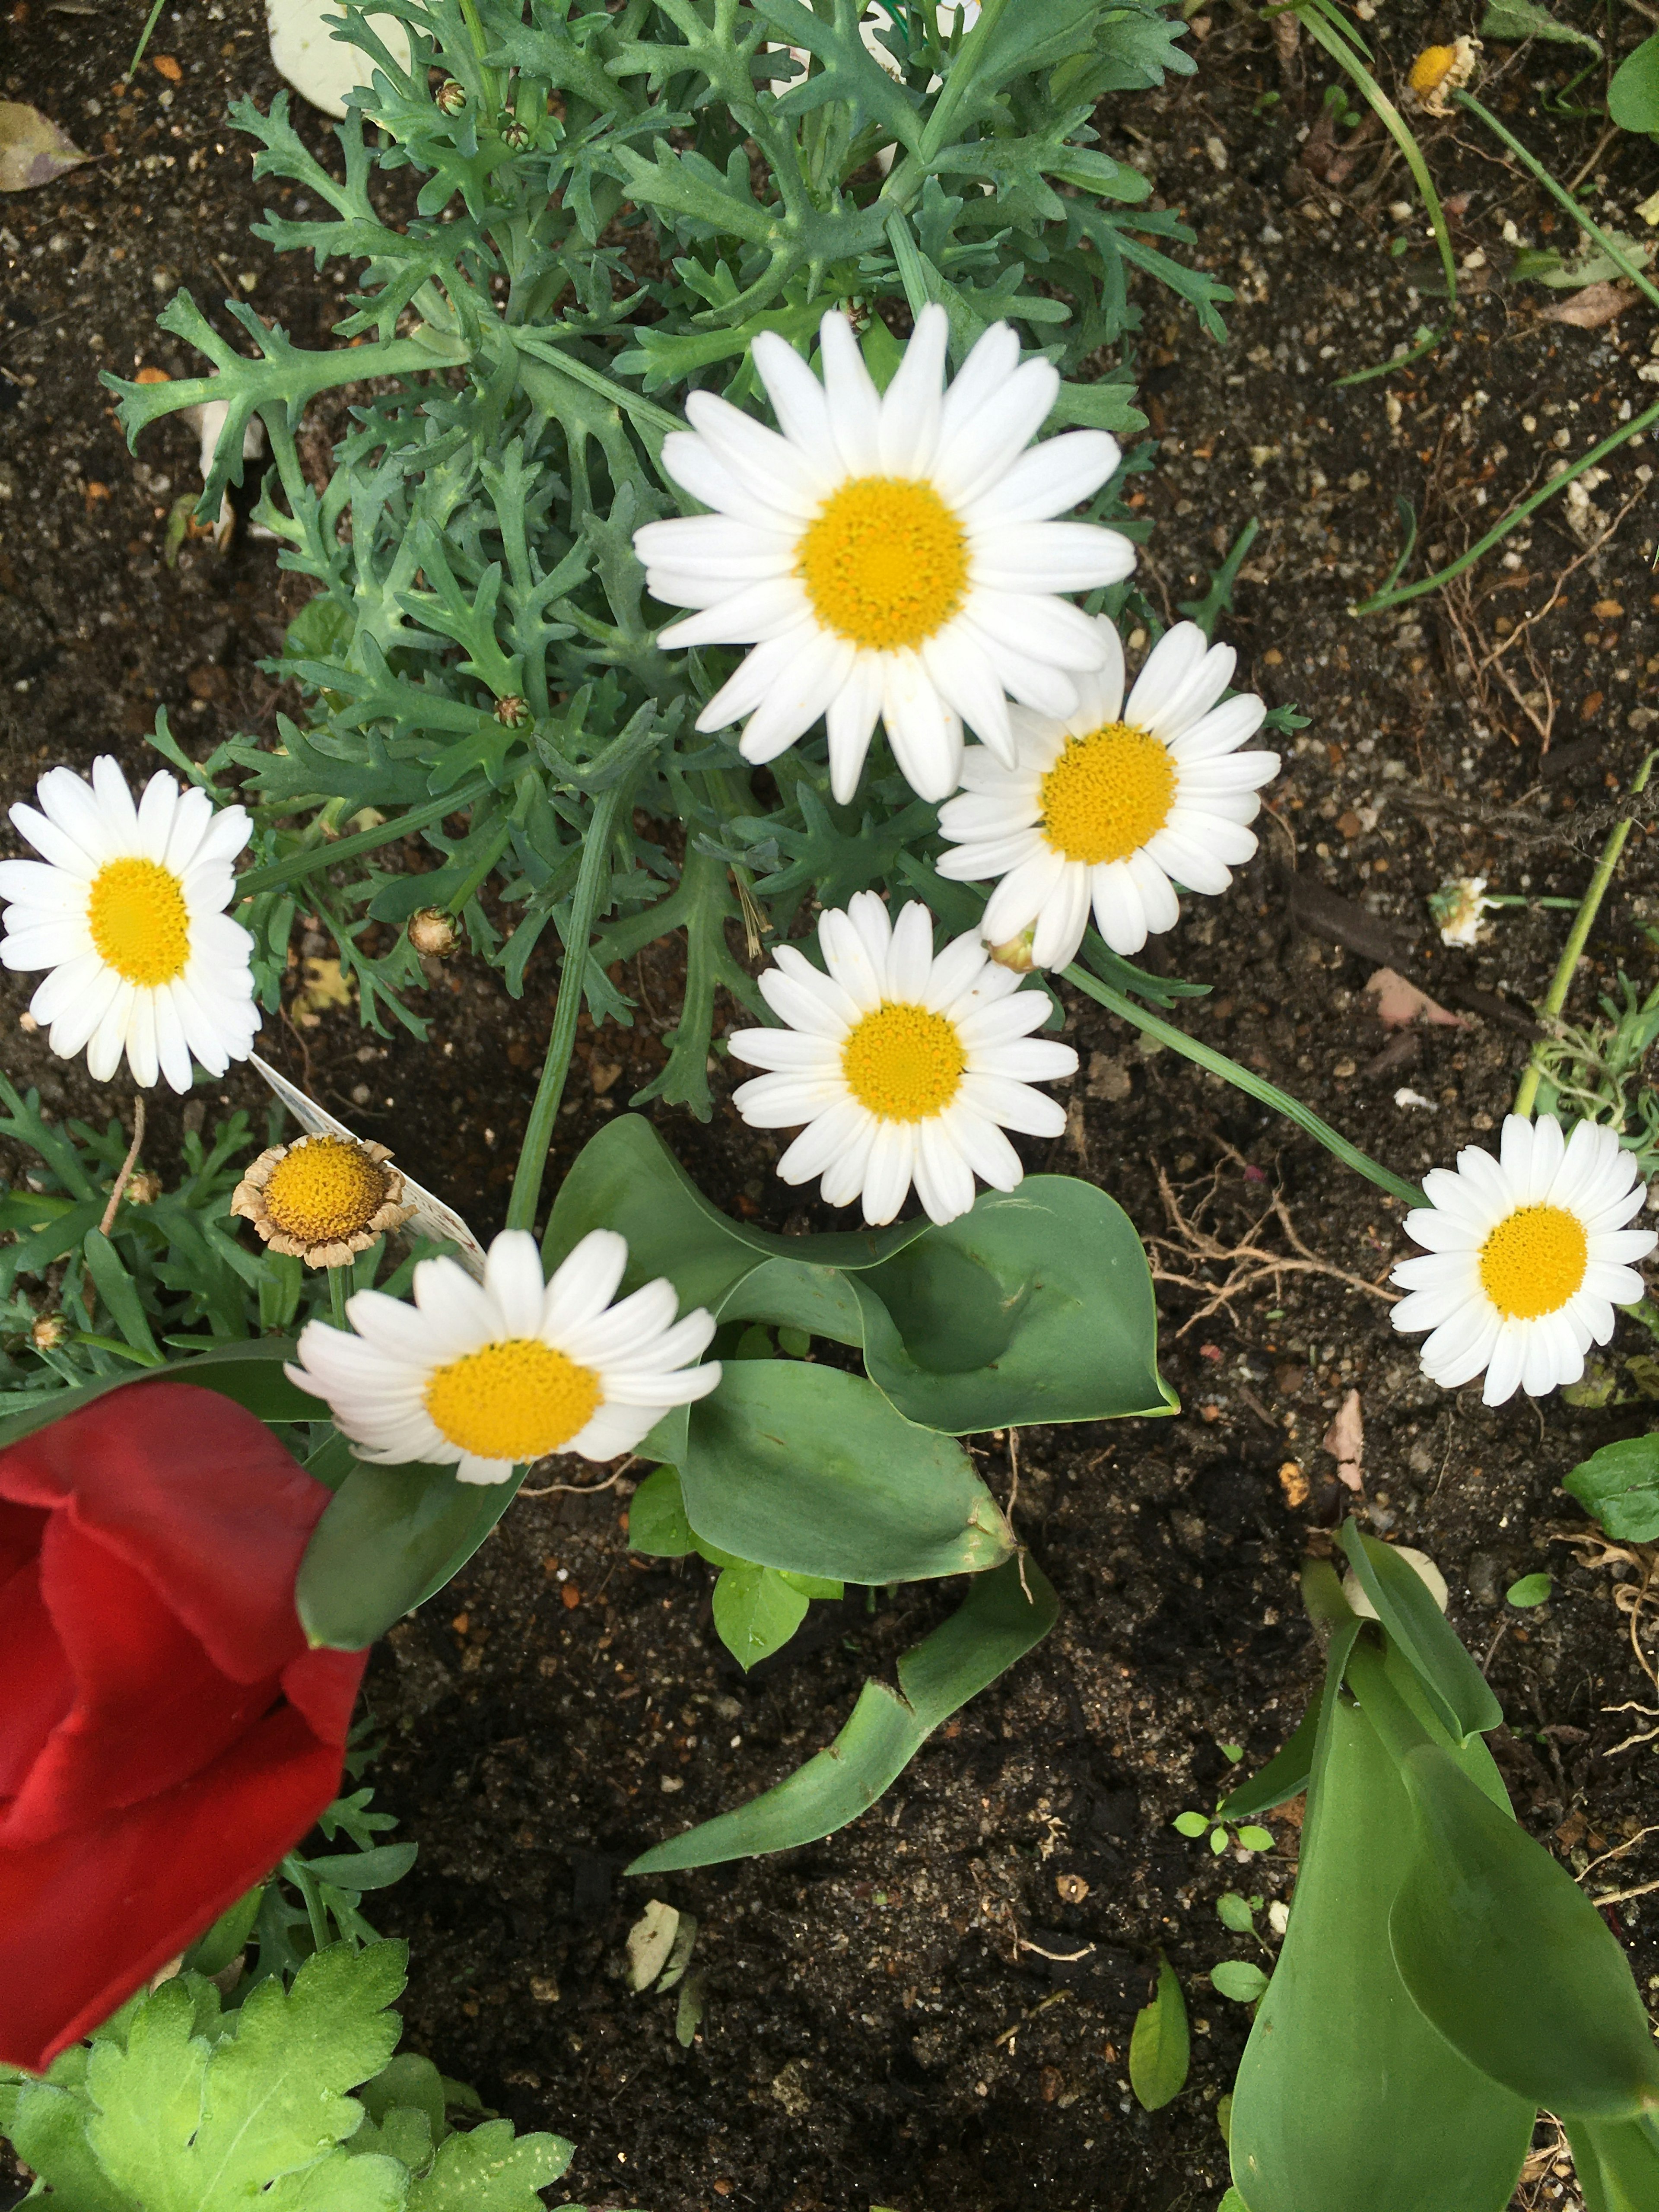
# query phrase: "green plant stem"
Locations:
[[1381, 600], [590, 885], [1589, 907], [1615, 253], [336, 1296], [150, 21], [1253, 1086], [275, 874]]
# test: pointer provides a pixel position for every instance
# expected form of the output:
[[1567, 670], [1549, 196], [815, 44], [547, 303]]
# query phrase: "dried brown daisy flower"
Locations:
[[322, 1199]]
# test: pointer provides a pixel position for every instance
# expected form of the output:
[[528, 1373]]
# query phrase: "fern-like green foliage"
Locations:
[[610, 204], [179, 2104]]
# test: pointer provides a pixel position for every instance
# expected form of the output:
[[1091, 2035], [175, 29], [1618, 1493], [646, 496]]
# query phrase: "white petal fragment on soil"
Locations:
[[320, 67], [1345, 1440], [33, 149], [650, 1940]]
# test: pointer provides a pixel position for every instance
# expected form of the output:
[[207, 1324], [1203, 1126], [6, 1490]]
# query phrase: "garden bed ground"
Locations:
[[931, 2010]]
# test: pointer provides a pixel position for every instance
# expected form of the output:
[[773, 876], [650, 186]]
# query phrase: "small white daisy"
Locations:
[[127, 908], [484, 1376], [887, 555], [905, 1067], [1108, 806], [1526, 1256]]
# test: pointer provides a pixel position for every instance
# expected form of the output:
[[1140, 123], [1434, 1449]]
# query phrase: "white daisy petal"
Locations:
[[1517, 1279], [488, 1376], [886, 556], [127, 912]]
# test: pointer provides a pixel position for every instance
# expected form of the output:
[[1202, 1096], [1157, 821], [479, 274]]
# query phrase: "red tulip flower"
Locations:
[[166, 1735]]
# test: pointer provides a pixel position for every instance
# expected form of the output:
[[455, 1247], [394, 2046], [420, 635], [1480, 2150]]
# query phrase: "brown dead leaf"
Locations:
[[1596, 305], [1345, 1440], [33, 149], [1399, 1003]]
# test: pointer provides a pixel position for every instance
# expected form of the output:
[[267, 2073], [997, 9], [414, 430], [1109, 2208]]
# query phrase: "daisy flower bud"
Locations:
[[127, 909], [484, 1376], [1113, 806], [1525, 1257], [891, 556], [905, 1066]]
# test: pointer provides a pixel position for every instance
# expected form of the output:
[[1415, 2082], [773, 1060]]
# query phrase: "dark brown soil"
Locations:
[[927, 2011]]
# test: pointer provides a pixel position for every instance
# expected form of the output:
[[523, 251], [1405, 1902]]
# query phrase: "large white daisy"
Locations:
[[887, 555], [1526, 1256], [482, 1376], [1115, 805], [905, 1067], [127, 908]]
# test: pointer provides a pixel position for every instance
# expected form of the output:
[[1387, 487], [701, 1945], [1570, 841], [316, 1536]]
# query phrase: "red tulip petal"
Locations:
[[150, 1708], [39, 1687], [191, 1490], [20, 1530], [86, 1918], [324, 1686]]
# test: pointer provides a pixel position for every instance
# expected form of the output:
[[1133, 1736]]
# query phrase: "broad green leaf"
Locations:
[[407, 2080], [995, 1625], [1524, 19], [1620, 1484], [339, 2181], [252, 1374], [1191, 1824], [1283, 1777], [807, 1468], [1159, 2048], [488, 2169], [1633, 95], [1508, 1958], [1616, 2163], [1035, 1306], [1454, 1684], [389, 1537], [1241, 1979], [1531, 1590], [1233, 1911], [756, 1612], [791, 1294], [186, 2130], [48, 2132], [376, 1868], [1346, 2100], [656, 1526]]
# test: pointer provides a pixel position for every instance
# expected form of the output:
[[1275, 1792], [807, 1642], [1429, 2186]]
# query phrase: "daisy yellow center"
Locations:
[[325, 1191], [884, 562], [139, 922], [1533, 1262], [1107, 794], [1431, 69], [516, 1399], [904, 1062]]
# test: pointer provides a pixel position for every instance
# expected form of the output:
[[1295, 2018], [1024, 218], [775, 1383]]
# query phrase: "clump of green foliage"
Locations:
[[611, 205]]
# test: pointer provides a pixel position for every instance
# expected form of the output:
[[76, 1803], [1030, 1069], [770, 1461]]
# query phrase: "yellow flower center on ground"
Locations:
[[884, 562], [1533, 1262], [1107, 794], [512, 1401], [1431, 69], [903, 1062], [324, 1190], [139, 922]]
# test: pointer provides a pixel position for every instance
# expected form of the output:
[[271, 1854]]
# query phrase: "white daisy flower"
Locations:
[[887, 555], [1526, 1256], [127, 908], [1113, 805], [904, 1067], [484, 1376]]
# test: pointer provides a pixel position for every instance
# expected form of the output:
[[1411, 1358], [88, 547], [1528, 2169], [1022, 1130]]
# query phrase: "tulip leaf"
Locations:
[[1283, 1777], [1035, 1306], [389, 1537], [996, 1624], [1346, 2100], [1456, 1686], [656, 1526], [1159, 2045], [252, 1374], [807, 1469], [1616, 2164], [1509, 1960]]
